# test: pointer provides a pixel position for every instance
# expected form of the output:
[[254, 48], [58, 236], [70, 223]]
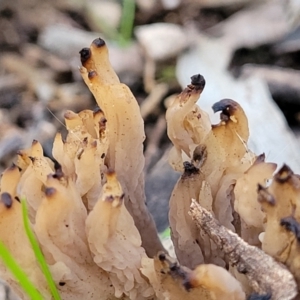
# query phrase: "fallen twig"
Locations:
[[265, 275]]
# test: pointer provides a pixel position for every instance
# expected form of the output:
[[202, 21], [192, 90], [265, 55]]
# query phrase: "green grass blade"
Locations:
[[19, 274], [38, 253], [127, 20], [166, 233]]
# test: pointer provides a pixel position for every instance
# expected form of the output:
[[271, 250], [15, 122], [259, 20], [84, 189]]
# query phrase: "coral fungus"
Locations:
[[240, 234]]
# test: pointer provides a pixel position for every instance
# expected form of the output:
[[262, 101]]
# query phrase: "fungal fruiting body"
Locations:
[[229, 216], [125, 132]]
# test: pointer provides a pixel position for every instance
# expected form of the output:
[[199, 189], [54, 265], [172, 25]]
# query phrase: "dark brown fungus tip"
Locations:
[[180, 272], [58, 172], [6, 199], [173, 266], [57, 165], [109, 198], [189, 169], [49, 176], [97, 110], [99, 42], [34, 142], [32, 158], [110, 172], [260, 187], [103, 121], [187, 284], [85, 54], [199, 152], [284, 174], [13, 167], [92, 74], [79, 154], [260, 158], [161, 256], [199, 156], [69, 115], [264, 195], [198, 81], [227, 106], [50, 191], [291, 224]]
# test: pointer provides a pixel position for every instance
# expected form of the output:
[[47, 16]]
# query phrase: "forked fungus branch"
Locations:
[[88, 209]]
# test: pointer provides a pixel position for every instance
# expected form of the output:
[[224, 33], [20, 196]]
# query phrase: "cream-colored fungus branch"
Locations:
[[125, 132], [116, 243], [13, 235], [281, 204]]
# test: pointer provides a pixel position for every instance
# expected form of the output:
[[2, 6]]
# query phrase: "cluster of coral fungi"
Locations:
[[233, 223]]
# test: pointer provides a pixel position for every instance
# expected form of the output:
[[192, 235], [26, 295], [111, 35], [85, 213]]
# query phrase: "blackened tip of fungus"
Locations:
[[99, 42], [187, 285], [260, 158], [227, 106], [13, 167], [103, 121], [50, 191], [198, 81], [189, 169], [110, 198], [7, 200], [97, 110], [284, 174], [291, 224], [162, 256], [173, 267], [264, 195], [110, 172], [200, 153], [260, 187], [57, 165], [85, 54], [58, 173], [92, 74], [32, 158]]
